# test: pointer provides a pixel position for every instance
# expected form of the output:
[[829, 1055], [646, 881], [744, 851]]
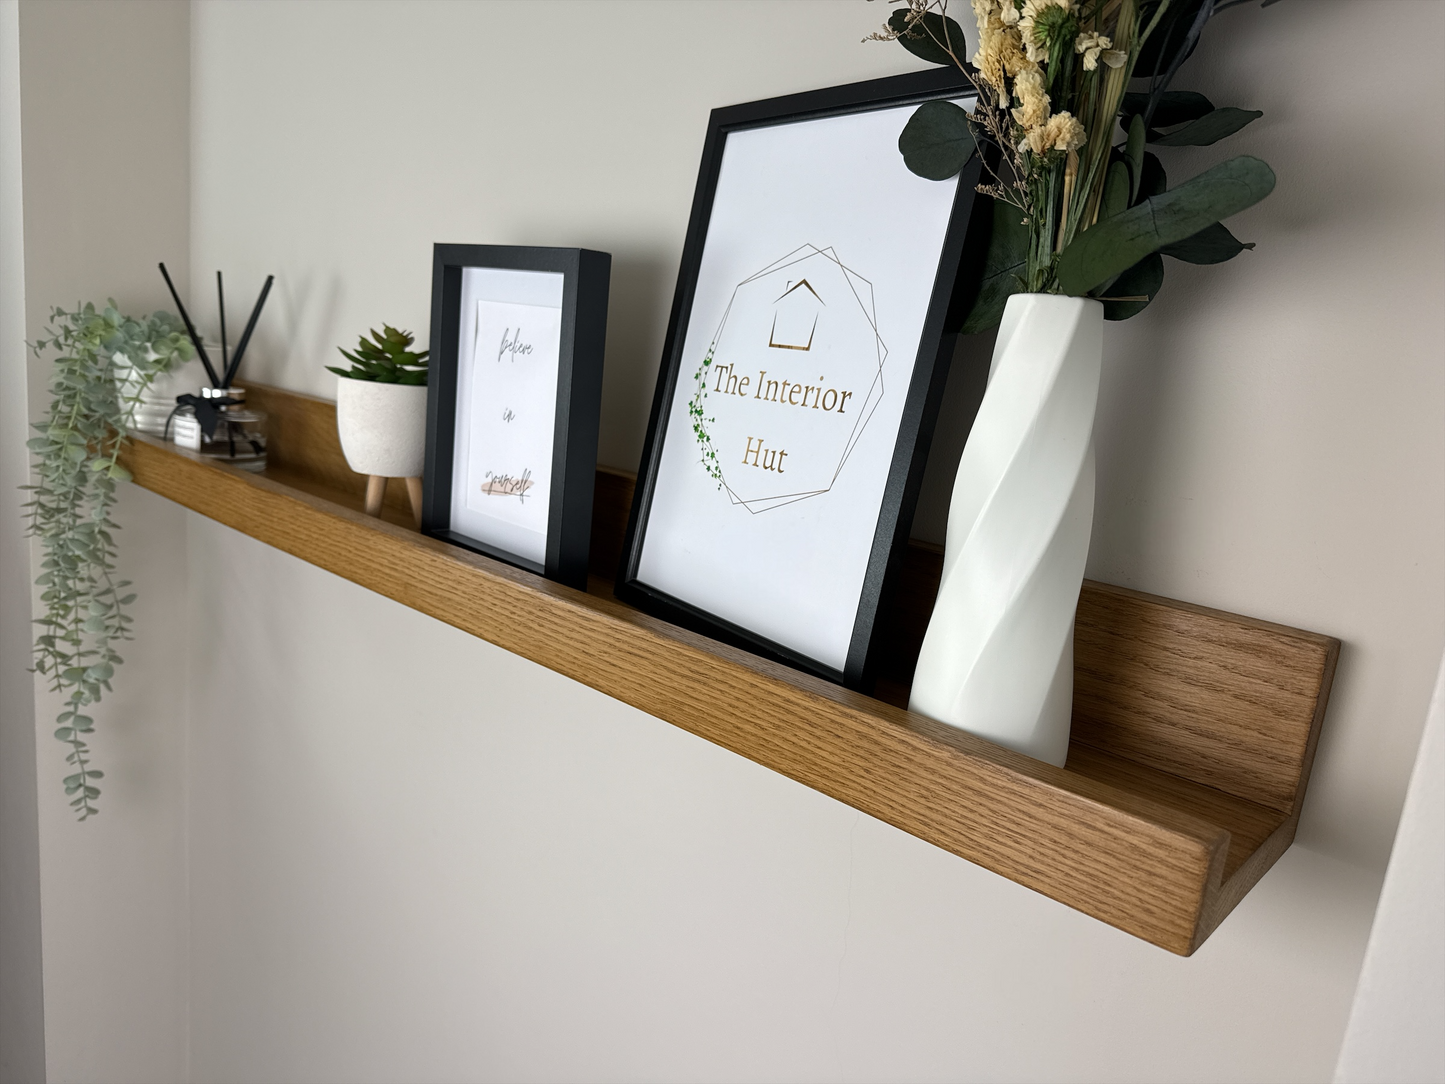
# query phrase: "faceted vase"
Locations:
[[998, 657]]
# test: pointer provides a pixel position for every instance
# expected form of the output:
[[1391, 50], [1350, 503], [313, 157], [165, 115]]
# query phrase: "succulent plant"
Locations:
[[386, 358]]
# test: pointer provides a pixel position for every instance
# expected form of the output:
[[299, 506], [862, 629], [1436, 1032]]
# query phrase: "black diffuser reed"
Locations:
[[229, 365]]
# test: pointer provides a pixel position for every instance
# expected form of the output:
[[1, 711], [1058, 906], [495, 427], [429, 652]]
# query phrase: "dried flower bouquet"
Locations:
[[1075, 213]]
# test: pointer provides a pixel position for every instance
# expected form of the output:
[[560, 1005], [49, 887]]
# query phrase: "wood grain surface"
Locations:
[[1195, 729]]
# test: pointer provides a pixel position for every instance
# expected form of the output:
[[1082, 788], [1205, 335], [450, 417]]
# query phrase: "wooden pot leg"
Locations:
[[375, 491], [413, 489]]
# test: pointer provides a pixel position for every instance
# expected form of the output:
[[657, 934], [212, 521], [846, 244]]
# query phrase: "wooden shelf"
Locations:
[[1194, 730]]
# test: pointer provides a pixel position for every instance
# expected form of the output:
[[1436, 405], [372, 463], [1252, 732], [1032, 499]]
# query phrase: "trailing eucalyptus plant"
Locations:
[[1075, 212], [105, 363]]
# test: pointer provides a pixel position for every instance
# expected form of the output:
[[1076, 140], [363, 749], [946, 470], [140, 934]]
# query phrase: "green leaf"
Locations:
[[1168, 37], [1175, 107], [1116, 191], [1004, 268], [1134, 155], [1143, 279], [935, 29], [936, 143], [1152, 178], [1112, 246], [1208, 129], [1213, 244]]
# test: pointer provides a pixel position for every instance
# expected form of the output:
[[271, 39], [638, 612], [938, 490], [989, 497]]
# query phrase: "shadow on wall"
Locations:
[[1137, 386], [639, 301], [967, 378]]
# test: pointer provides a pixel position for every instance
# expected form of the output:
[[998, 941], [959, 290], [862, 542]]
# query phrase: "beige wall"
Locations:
[[628, 901], [409, 855], [22, 1009], [105, 162]]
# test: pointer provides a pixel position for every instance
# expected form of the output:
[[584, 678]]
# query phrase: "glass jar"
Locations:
[[239, 437]]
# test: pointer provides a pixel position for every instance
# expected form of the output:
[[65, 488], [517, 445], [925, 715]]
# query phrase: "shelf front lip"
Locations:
[[1132, 862]]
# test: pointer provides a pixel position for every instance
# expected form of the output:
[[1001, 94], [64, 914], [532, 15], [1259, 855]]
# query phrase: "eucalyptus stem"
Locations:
[[77, 469]]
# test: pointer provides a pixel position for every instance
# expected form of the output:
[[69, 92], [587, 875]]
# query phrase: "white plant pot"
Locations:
[[998, 657], [382, 427], [149, 408]]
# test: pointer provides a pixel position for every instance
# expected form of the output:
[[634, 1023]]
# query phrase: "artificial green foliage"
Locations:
[[1190, 126], [1170, 108], [1153, 178], [1113, 245], [1213, 244], [105, 363], [1135, 288], [941, 43], [936, 143], [1174, 38], [386, 358], [1134, 156], [1118, 187], [1004, 268]]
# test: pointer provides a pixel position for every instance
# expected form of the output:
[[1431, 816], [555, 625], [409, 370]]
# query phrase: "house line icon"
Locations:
[[798, 313]]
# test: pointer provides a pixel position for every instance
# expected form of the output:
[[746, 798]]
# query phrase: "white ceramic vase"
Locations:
[[382, 427], [149, 408], [998, 657]]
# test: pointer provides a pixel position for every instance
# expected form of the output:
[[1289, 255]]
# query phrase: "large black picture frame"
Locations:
[[585, 276], [954, 288]]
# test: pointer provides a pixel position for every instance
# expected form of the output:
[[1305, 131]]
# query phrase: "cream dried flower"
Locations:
[[1000, 54], [1033, 100], [1091, 44], [1039, 22], [1014, 58], [1062, 133], [989, 60], [1066, 133]]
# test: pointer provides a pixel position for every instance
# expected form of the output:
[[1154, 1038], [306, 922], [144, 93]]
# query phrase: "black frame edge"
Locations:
[[586, 278], [945, 313]]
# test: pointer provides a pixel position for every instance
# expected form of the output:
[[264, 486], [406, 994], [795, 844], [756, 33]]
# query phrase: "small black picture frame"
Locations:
[[672, 516], [557, 298]]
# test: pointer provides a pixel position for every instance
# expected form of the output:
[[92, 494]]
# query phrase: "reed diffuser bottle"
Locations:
[[238, 432], [218, 422]]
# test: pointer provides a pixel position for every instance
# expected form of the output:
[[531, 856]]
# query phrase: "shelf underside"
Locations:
[[1193, 730]]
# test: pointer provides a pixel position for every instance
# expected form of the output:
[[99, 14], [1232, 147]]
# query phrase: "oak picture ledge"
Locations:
[[1194, 730]]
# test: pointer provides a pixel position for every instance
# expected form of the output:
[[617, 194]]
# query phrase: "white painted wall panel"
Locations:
[[1394, 1035]]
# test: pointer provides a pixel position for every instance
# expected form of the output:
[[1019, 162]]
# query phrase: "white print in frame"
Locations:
[[806, 323], [513, 412], [796, 360]]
